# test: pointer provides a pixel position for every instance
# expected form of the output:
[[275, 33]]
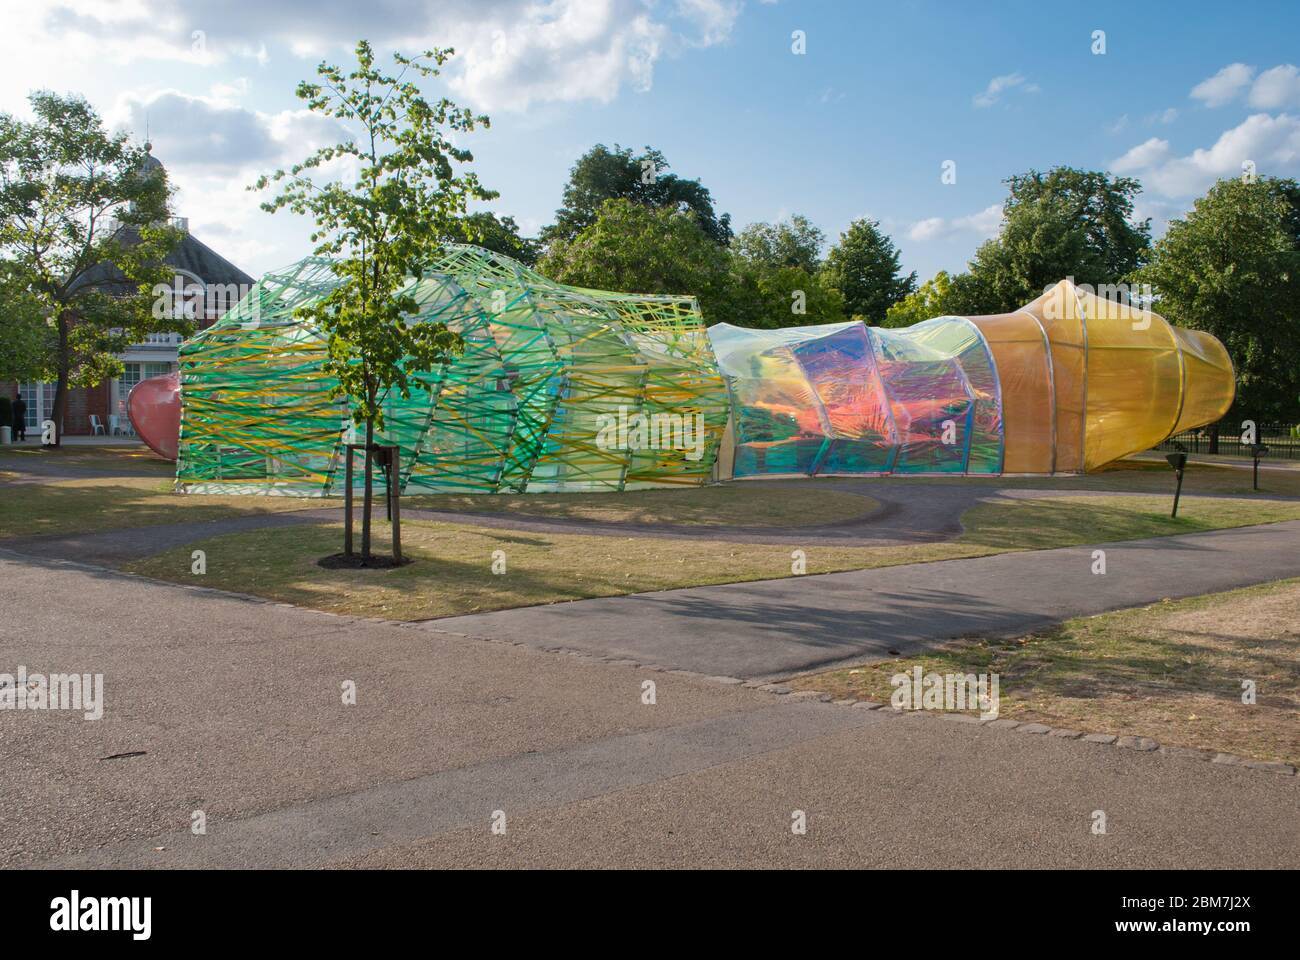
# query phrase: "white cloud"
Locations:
[[1271, 143], [212, 133], [1000, 85], [1279, 87], [510, 53], [714, 19], [984, 224], [1224, 86], [1142, 156]]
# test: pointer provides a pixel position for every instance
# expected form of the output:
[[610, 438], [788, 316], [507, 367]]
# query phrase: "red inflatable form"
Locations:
[[154, 406]]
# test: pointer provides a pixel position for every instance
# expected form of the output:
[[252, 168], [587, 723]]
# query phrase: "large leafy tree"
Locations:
[[500, 235], [796, 242], [381, 226], [603, 174], [1058, 224], [638, 249], [83, 235], [1231, 267], [770, 297], [777, 279], [864, 267]]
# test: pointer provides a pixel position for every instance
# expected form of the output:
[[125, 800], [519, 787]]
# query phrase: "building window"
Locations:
[[39, 398], [133, 373]]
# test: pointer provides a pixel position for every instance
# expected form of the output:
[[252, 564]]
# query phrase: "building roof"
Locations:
[[191, 256]]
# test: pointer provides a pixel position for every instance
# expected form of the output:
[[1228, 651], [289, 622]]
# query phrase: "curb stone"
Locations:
[[1032, 728], [1145, 744]]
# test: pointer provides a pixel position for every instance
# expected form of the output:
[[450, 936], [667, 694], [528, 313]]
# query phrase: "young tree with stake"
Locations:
[[383, 229]]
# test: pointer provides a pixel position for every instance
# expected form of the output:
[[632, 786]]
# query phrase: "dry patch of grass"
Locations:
[[748, 505], [452, 574], [1173, 671]]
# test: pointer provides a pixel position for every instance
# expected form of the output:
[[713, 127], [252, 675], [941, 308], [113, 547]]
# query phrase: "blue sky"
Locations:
[[859, 125]]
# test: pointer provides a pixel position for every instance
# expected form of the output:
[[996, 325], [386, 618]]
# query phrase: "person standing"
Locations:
[[20, 417]]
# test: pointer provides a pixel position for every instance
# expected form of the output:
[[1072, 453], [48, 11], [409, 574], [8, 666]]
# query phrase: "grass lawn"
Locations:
[[133, 457], [113, 503], [749, 504], [1144, 476], [1067, 521], [1172, 671], [452, 574]]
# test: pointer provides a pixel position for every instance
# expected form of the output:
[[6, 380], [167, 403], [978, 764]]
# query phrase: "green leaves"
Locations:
[[1228, 268], [864, 267], [602, 174], [383, 201], [83, 236]]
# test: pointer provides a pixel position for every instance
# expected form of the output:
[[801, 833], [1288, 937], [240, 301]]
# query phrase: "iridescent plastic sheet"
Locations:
[[847, 398], [1066, 384]]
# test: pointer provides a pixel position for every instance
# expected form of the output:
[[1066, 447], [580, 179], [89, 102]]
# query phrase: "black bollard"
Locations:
[[1179, 462]]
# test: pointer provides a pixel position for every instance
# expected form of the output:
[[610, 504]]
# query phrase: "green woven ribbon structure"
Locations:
[[558, 388]]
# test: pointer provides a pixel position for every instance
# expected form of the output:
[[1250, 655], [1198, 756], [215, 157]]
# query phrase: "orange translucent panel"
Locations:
[[1061, 317], [1210, 384], [1019, 349]]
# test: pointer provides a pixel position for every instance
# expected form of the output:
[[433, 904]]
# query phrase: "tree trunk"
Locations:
[[1214, 438], [61, 384], [368, 499]]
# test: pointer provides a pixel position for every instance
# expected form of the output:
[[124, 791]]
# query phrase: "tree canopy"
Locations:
[[83, 235], [1231, 267], [864, 267], [635, 248], [1058, 224], [500, 235], [796, 242], [603, 174]]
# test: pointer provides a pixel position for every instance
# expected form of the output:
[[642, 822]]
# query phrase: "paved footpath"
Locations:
[[775, 628], [233, 708]]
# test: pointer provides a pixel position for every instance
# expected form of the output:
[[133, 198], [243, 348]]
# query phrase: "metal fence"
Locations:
[[1282, 444]]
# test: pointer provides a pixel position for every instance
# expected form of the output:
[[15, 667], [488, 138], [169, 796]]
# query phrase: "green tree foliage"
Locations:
[[926, 301], [776, 276], [83, 236], [791, 243], [773, 297], [500, 235], [383, 228], [864, 267], [1058, 224], [1232, 268], [28, 341], [602, 174], [634, 248]]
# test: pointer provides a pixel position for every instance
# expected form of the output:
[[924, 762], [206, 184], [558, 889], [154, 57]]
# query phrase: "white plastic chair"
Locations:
[[96, 427]]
